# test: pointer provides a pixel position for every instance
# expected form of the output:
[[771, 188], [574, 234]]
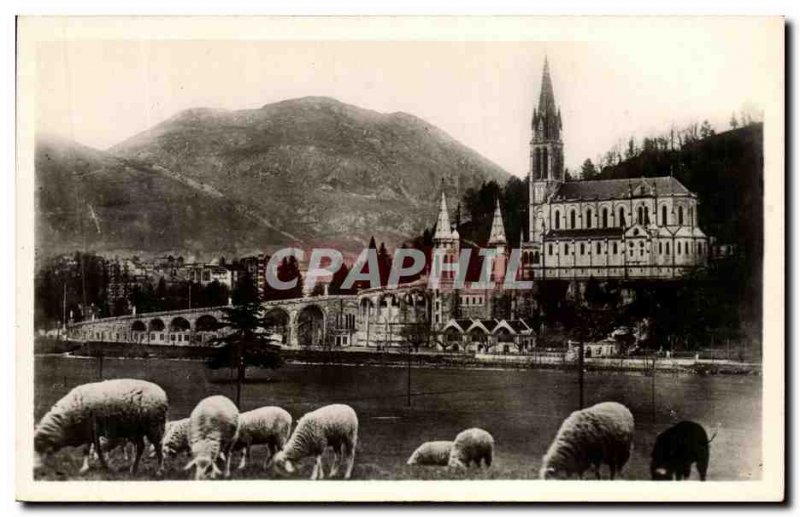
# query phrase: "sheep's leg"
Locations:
[[245, 454], [351, 458], [96, 439], [139, 444], [228, 458], [338, 456], [87, 452], [317, 473], [271, 451]]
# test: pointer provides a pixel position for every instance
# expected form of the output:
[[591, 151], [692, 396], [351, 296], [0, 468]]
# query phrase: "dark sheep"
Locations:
[[677, 448]]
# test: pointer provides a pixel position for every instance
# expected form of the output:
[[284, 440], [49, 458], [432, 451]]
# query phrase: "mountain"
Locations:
[[87, 198], [318, 169]]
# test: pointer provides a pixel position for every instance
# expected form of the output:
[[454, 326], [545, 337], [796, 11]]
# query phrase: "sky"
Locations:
[[100, 92]]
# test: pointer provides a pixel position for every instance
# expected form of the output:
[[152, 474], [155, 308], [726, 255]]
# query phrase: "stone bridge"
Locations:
[[315, 321]]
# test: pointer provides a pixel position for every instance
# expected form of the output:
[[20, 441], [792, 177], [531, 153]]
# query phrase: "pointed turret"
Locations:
[[443, 229], [497, 237]]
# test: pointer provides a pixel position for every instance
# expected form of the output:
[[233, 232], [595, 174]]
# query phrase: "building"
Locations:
[[607, 229]]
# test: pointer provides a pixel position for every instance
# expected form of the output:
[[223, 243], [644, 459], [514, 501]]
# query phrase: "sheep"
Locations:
[[431, 453], [472, 445], [116, 409], [599, 434], [677, 448], [268, 425], [213, 430], [333, 426], [176, 437]]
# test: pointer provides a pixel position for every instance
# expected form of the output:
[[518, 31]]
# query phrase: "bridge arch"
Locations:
[[156, 325], [138, 326], [310, 323], [206, 323], [179, 324], [278, 321]]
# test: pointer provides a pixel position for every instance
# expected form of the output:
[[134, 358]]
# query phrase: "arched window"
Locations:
[[605, 218], [679, 247], [544, 164], [680, 216], [572, 219], [691, 216], [622, 217], [558, 220], [663, 215], [639, 215], [666, 245], [535, 257], [588, 218], [647, 215], [537, 160]]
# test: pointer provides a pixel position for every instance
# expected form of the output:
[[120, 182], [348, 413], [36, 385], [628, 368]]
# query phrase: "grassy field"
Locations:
[[521, 408]]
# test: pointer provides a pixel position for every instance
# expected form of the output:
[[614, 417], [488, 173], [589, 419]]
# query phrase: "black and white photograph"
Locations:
[[543, 256]]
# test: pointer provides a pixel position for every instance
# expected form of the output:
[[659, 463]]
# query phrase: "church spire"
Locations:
[[443, 231], [497, 237], [547, 116]]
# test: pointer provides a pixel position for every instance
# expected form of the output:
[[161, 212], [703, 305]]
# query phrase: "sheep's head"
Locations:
[[658, 473], [205, 467], [282, 463]]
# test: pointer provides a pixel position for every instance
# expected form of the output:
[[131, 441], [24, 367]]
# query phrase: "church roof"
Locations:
[[620, 188], [586, 233], [497, 237], [547, 99]]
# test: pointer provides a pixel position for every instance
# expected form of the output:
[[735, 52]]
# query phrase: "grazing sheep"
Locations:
[[600, 434], [431, 453], [472, 445], [334, 426], [268, 426], [213, 429], [176, 437], [117, 409], [677, 448]]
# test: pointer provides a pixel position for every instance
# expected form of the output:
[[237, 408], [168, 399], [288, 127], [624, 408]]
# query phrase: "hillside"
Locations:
[[320, 170], [726, 171], [83, 193]]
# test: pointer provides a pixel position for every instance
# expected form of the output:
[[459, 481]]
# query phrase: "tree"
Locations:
[[733, 123], [246, 343], [706, 130], [588, 170]]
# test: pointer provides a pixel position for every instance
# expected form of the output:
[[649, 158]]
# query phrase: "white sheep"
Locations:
[[472, 445], [334, 426], [213, 430], [116, 409], [431, 453], [601, 434], [269, 425], [176, 437]]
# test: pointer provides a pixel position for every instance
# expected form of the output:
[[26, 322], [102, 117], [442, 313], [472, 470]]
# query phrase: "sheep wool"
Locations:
[[269, 425], [334, 426], [176, 437], [116, 409], [213, 430], [431, 453], [472, 446], [601, 434]]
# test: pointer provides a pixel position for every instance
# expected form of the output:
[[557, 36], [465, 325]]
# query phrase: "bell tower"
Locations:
[[547, 155]]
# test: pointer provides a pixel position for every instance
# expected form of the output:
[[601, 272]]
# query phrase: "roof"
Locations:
[[585, 233], [497, 236], [621, 188]]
